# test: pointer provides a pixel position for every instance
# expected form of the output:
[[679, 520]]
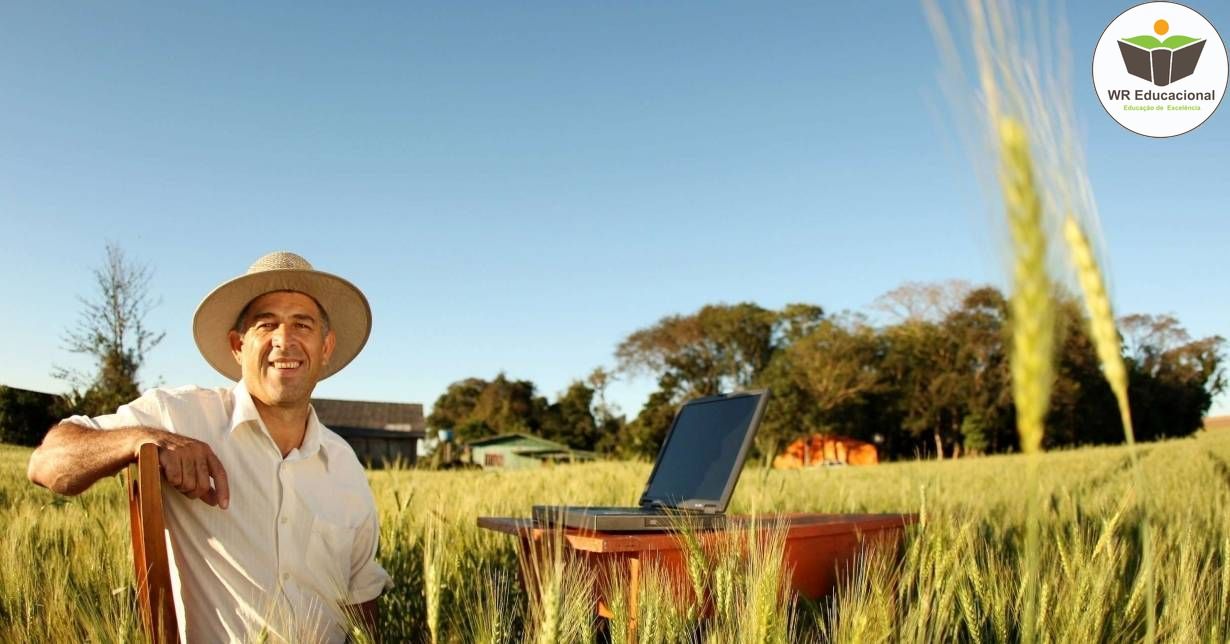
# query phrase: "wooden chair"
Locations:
[[149, 547]]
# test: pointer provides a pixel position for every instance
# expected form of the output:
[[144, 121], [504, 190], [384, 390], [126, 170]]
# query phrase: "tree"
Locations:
[[475, 408], [837, 362], [718, 348], [979, 328], [598, 380], [611, 425], [509, 406], [820, 382], [1082, 407], [1172, 378], [935, 379], [454, 408], [923, 301], [570, 419], [111, 330], [920, 363], [643, 436], [721, 347], [795, 321], [945, 370]]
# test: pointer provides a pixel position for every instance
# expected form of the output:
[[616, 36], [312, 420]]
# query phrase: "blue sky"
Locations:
[[519, 187]]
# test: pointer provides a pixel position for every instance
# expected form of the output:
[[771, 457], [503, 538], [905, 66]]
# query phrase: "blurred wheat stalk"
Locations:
[[1031, 304], [1041, 173]]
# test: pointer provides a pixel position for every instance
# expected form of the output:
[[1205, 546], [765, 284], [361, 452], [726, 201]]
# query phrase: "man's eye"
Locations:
[[265, 326], [304, 325]]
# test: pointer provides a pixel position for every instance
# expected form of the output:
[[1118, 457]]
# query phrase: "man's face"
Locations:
[[282, 348]]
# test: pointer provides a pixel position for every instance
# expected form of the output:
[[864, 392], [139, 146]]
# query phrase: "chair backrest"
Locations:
[[149, 547]]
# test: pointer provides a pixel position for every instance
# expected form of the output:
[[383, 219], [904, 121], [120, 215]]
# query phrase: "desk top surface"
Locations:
[[797, 526]]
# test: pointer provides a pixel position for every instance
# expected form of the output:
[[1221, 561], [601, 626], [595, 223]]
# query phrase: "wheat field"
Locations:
[[958, 576]]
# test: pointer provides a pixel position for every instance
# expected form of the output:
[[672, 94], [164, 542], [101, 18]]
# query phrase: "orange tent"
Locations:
[[819, 450]]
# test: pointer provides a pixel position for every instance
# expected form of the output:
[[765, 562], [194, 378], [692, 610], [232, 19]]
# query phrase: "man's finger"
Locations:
[[170, 468], [187, 475], [201, 475], [222, 487]]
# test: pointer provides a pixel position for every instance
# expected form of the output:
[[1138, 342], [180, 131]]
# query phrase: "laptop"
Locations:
[[693, 477]]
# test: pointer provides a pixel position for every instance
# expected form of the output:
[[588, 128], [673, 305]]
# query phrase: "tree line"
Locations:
[[932, 379]]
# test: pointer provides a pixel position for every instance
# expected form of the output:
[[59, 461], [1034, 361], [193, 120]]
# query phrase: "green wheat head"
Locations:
[[1101, 319], [1031, 305]]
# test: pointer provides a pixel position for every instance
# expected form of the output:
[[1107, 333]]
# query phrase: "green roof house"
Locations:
[[522, 451]]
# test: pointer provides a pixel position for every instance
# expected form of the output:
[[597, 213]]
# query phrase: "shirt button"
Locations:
[[285, 576], [285, 520]]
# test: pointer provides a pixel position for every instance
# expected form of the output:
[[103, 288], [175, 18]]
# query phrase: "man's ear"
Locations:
[[330, 342], [236, 345]]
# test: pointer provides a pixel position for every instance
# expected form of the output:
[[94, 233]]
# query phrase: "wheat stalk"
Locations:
[[1033, 311], [1106, 343], [433, 574], [1033, 332], [1101, 320], [1224, 605]]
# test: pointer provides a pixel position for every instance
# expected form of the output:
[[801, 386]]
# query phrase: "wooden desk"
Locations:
[[817, 548]]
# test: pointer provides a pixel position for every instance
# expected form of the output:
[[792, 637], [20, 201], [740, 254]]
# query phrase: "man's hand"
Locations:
[[72, 457], [188, 465]]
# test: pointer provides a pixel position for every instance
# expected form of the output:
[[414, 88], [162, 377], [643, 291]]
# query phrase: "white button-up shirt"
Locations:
[[298, 540]]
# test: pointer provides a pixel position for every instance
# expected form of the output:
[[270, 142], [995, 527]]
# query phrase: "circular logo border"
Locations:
[[1093, 72]]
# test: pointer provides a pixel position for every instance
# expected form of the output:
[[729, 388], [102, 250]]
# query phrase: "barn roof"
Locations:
[[379, 417]]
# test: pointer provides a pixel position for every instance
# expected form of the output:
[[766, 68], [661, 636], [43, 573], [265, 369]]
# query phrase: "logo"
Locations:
[[1161, 62], [1160, 45]]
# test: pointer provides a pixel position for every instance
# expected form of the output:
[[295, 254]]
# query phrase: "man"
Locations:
[[272, 527]]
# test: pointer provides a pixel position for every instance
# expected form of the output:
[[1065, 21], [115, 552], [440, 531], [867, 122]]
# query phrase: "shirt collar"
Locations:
[[245, 410], [312, 438], [245, 413]]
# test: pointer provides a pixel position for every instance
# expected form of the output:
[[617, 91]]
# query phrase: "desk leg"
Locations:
[[634, 588]]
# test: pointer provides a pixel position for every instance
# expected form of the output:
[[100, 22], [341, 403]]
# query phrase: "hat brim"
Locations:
[[350, 316]]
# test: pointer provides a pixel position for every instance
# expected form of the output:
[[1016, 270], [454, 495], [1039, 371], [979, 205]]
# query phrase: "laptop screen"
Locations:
[[703, 450]]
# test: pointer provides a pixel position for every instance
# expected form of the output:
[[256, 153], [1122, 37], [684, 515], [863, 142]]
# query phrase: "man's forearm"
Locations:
[[73, 457]]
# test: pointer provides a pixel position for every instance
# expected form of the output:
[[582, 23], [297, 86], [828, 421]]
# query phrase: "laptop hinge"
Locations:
[[710, 508]]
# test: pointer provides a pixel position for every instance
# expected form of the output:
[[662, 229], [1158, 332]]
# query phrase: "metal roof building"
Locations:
[[379, 432]]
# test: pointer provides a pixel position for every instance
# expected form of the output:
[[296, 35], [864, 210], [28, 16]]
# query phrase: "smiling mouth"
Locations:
[[286, 364]]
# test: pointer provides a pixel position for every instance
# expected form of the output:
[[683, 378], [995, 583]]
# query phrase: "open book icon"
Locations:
[[1161, 62]]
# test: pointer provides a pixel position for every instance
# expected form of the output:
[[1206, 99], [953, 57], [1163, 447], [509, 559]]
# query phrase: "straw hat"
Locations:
[[350, 316]]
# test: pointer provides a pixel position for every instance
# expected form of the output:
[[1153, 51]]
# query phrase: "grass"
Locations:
[[958, 577]]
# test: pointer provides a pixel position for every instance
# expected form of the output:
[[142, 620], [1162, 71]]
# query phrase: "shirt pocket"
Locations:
[[328, 557]]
